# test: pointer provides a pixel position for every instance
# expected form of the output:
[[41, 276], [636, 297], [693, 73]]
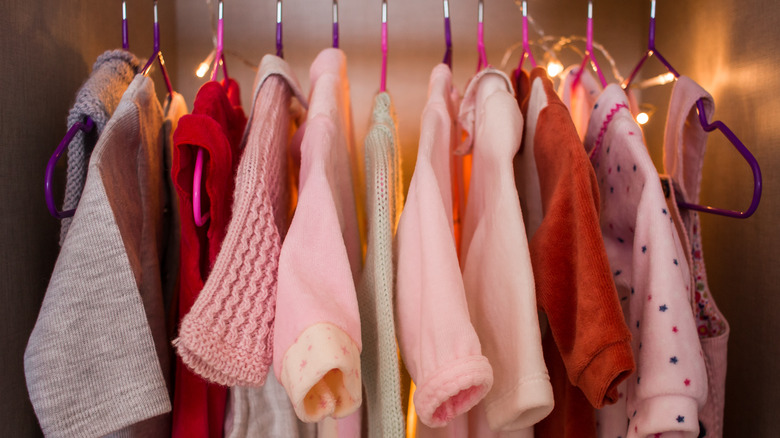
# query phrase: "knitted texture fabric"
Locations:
[[587, 347], [438, 343], [215, 126], [496, 263], [379, 359], [650, 269], [227, 336], [317, 332], [684, 144], [97, 358], [97, 99]]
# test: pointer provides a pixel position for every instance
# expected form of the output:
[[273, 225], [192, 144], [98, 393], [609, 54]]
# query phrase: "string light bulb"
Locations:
[[554, 68], [204, 66], [642, 118]]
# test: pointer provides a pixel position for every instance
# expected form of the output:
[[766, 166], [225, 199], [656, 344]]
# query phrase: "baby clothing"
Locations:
[[98, 357], [379, 359], [215, 126], [97, 99], [587, 347], [651, 272], [684, 145], [317, 333], [437, 340], [227, 336], [496, 264], [580, 99]]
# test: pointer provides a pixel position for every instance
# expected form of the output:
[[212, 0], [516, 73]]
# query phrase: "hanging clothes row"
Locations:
[[225, 275]]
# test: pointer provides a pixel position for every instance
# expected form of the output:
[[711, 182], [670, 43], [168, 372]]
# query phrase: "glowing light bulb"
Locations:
[[669, 77], [554, 68], [203, 68], [642, 118]]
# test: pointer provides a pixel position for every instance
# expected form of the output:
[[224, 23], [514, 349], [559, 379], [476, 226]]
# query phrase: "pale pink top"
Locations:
[[317, 332], [580, 99], [652, 276], [438, 343]]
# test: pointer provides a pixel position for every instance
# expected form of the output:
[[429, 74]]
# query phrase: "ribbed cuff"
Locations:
[[527, 404], [601, 377], [665, 414], [321, 373], [453, 390]]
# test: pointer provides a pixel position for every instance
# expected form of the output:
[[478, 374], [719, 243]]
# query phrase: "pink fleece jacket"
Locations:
[[496, 263], [317, 333], [684, 143], [438, 343], [651, 273]]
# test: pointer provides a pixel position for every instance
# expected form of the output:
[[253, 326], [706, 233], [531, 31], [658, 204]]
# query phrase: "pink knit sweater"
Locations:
[[227, 336], [317, 335]]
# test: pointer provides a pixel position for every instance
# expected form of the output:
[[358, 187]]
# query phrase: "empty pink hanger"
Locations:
[[447, 35], [86, 128], [482, 61], [589, 55], [708, 127], [157, 55], [526, 44], [383, 83]]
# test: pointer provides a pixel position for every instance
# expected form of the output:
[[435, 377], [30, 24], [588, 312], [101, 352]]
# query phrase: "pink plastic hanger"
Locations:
[[279, 48], [86, 128], [383, 84], [482, 61], [157, 55], [526, 45], [197, 174], [447, 35], [708, 127], [589, 53]]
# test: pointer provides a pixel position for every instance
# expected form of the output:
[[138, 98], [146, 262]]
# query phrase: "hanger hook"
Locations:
[[158, 54], [125, 33], [219, 56], [447, 35], [383, 84], [482, 61], [335, 24], [279, 47]]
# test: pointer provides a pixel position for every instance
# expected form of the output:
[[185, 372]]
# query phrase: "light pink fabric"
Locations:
[[438, 343], [684, 145], [227, 336], [496, 263], [317, 333], [653, 280], [580, 99]]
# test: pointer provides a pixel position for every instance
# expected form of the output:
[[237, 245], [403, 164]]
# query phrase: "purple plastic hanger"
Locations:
[[708, 127], [383, 83], [335, 24], [86, 128], [279, 48], [447, 35], [158, 54], [482, 60], [589, 53], [526, 44]]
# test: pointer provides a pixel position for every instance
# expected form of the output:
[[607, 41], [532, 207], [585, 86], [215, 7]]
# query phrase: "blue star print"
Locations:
[[673, 360], [644, 249], [663, 308], [680, 419]]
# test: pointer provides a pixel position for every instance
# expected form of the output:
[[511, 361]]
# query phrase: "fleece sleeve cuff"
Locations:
[[453, 390], [600, 378], [525, 405], [321, 373], [665, 415]]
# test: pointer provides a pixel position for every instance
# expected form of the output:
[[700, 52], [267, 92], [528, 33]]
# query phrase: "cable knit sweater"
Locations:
[[379, 359], [97, 99], [228, 335], [317, 334], [649, 266], [587, 347], [438, 343]]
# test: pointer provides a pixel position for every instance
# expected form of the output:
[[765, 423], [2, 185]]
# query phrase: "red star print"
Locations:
[[674, 329], [309, 349], [630, 132], [687, 382], [323, 403], [344, 350], [649, 297], [303, 364], [636, 429], [620, 395]]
